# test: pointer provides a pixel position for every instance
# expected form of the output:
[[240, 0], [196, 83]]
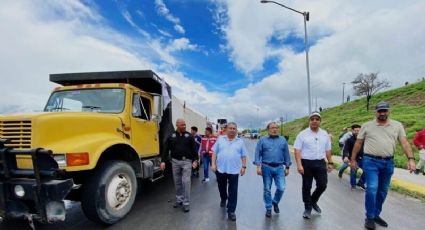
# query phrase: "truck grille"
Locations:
[[18, 132]]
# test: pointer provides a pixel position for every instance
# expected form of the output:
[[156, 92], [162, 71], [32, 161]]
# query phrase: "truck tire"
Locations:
[[109, 194]]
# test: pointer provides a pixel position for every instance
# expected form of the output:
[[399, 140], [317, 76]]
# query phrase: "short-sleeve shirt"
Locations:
[[313, 145], [229, 154], [381, 140]]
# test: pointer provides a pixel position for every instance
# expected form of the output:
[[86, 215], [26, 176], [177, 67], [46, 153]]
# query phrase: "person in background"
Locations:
[[198, 139], [419, 141], [207, 144], [343, 137], [348, 149]]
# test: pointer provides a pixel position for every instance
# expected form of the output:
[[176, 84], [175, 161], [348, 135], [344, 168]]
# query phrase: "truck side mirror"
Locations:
[[157, 108]]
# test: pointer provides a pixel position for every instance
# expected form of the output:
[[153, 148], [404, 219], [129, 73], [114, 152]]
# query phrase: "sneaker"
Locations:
[[353, 188], [205, 180], [222, 203], [417, 171], [317, 208], [268, 213], [361, 186], [307, 213], [186, 208], [231, 216], [177, 204], [380, 221], [275, 207], [369, 224], [339, 175]]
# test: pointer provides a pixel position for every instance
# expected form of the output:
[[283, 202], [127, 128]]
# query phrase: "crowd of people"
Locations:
[[369, 147]]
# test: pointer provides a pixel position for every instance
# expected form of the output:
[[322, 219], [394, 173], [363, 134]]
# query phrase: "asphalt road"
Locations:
[[341, 208]]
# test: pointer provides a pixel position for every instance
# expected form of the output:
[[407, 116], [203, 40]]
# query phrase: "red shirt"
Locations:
[[207, 144], [419, 139]]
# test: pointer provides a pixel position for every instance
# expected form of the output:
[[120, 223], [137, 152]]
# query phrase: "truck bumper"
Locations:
[[19, 199]]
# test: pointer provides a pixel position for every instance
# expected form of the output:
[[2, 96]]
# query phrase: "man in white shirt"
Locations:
[[312, 146]]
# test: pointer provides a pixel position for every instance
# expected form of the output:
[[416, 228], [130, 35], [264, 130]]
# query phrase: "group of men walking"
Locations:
[[370, 147]]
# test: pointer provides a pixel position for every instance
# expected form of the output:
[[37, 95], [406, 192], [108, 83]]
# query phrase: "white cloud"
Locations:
[[34, 46], [350, 37], [164, 11]]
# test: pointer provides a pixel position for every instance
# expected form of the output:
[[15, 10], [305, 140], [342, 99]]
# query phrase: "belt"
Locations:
[[274, 165], [378, 157], [180, 158]]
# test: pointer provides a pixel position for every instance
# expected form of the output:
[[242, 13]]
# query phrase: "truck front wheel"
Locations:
[[110, 192]]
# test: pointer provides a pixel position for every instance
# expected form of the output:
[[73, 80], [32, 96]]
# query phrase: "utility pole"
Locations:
[[343, 89]]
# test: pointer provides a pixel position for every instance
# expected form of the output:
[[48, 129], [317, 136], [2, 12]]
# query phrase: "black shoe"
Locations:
[[361, 186], [276, 207], [186, 208], [380, 221], [268, 213], [417, 171], [340, 175], [317, 208], [177, 204], [222, 203], [231, 216], [307, 213], [369, 224]]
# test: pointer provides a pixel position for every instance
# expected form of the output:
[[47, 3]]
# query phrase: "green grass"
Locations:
[[407, 106]]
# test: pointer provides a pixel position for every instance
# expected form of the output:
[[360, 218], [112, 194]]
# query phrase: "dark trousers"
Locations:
[[228, 188], [313, 169]]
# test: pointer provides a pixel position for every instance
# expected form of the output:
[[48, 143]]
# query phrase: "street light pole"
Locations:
[[343, 89], [306, 16]]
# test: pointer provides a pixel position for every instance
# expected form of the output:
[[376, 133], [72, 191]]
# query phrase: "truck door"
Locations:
[[144, 131]]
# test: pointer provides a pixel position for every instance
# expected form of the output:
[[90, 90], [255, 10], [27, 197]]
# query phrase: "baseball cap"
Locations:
[[382, 106], [314, 113]]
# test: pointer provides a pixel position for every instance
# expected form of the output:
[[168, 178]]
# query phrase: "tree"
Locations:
[[368, 85]]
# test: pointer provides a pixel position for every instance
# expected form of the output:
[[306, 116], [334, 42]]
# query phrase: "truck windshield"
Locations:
[[87, 100]]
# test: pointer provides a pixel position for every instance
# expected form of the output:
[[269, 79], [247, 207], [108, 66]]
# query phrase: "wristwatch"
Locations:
[[411, 158], [243, 166], [330, 163]]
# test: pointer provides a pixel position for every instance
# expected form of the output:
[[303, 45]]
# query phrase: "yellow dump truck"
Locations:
[[99, 133]]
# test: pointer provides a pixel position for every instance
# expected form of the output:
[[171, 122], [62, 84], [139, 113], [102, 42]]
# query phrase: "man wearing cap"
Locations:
[[312, 146], [379, 137]]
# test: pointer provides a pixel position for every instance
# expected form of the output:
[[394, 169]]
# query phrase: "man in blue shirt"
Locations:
[[271, 156], [228, 161]]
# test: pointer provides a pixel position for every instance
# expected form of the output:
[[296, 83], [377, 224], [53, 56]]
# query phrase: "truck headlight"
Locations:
[[19, 191], [60, 159]]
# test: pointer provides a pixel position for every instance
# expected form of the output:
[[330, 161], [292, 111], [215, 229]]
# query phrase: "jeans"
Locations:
[[378, 174], [353, 174], [182, 170], [207, 160], [228, 188], [313, 169], [278, 175], [344, 166]]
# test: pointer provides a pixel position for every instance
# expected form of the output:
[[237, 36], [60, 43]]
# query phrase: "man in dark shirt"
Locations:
[[184, 157], [348, 149], [198, 140]]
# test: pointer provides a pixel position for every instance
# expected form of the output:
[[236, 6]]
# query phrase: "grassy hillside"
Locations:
[[407, 106]]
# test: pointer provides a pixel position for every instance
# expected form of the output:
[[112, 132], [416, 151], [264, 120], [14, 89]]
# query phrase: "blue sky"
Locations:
[[239, 59]]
